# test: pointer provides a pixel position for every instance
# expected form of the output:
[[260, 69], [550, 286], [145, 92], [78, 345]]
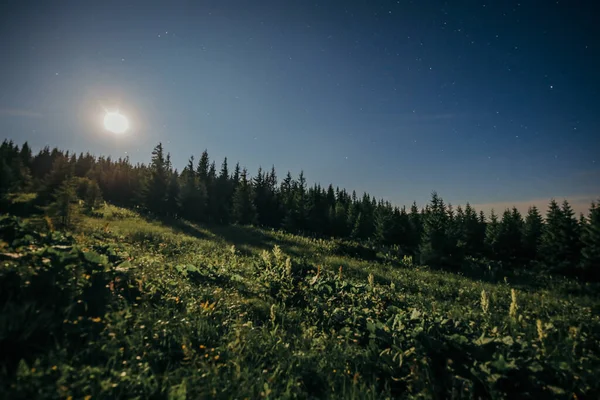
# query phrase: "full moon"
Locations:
[[116, 122]]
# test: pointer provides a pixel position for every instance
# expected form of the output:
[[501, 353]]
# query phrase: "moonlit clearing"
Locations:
[[115, 122]]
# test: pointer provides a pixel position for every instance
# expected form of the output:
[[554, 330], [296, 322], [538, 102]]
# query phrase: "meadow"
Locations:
[[122, 306]]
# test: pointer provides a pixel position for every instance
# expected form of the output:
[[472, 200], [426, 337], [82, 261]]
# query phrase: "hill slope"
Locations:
[[125, 307]]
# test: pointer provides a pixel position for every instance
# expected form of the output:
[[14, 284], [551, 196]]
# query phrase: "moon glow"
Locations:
[[115, 122]]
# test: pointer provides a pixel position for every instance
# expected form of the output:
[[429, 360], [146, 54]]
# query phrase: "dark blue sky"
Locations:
[[491, 102]]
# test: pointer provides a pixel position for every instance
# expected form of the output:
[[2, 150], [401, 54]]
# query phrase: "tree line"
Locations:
[[437, 234]]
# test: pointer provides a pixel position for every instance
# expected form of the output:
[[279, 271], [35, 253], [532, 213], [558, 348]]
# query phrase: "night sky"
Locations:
[[492, 102]]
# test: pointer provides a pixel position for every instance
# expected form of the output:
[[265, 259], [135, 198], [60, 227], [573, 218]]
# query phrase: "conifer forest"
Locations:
[[123, 280]]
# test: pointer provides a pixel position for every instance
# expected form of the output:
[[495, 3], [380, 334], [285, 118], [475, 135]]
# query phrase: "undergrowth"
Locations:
[[123, 307]]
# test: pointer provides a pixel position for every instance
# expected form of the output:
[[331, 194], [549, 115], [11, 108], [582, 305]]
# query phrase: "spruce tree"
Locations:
[[192, 194], [287, 201], [5, 177], [509, 240], [63, 206], [235, 177], [317, 210], [42, 163], [532, 233], [261, 196], [404, 235], [244, 211], [356, 229], [60, 172], [274, 210], [203, 167], [367, 207], [472, 233], [590, 252], [491, 236], [560, 244], [438, 247], [572, 235], [352, 217], [342, 228], [300, 202], [213, 195], [173, 203], [383, 225], [224, 193], [92, 196], [156, 189], [416, 229], [26, 155]]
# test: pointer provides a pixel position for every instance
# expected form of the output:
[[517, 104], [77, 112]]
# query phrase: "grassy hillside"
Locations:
[[123, 307]]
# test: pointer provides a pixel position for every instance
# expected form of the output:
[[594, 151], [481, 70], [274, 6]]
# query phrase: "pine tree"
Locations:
[[405, 234], [213, 195], [42, 163], [83, 165], [480, 231], [224, 193], [274, 210], [532, 233], [491, 236], [560, 247], [5, 177], [63, 206], [244, 210], [173, 202], [572, 236], [383, 225], [509, 240], [317, 210], [356, 229], [156, 189], [288, 202], [261, 196], [301, 203], [438, 247], [339, 221], [193, 196], [416, 230], [330, 196], [590, 252], [26, 155], [203, 167], [92, 196], [235, 178], [14, 174], [471, 231], [59, 173]]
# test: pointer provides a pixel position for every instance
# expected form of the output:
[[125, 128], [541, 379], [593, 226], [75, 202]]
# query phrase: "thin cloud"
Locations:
[[435, 117], [430, 117], [16, 112]]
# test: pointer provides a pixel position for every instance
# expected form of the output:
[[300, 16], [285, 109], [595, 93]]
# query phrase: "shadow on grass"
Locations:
[[249, 240], [246, 238], [182, 226], [222, 281]]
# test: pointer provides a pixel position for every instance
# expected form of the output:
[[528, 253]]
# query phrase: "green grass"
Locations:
[[129, 308]]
